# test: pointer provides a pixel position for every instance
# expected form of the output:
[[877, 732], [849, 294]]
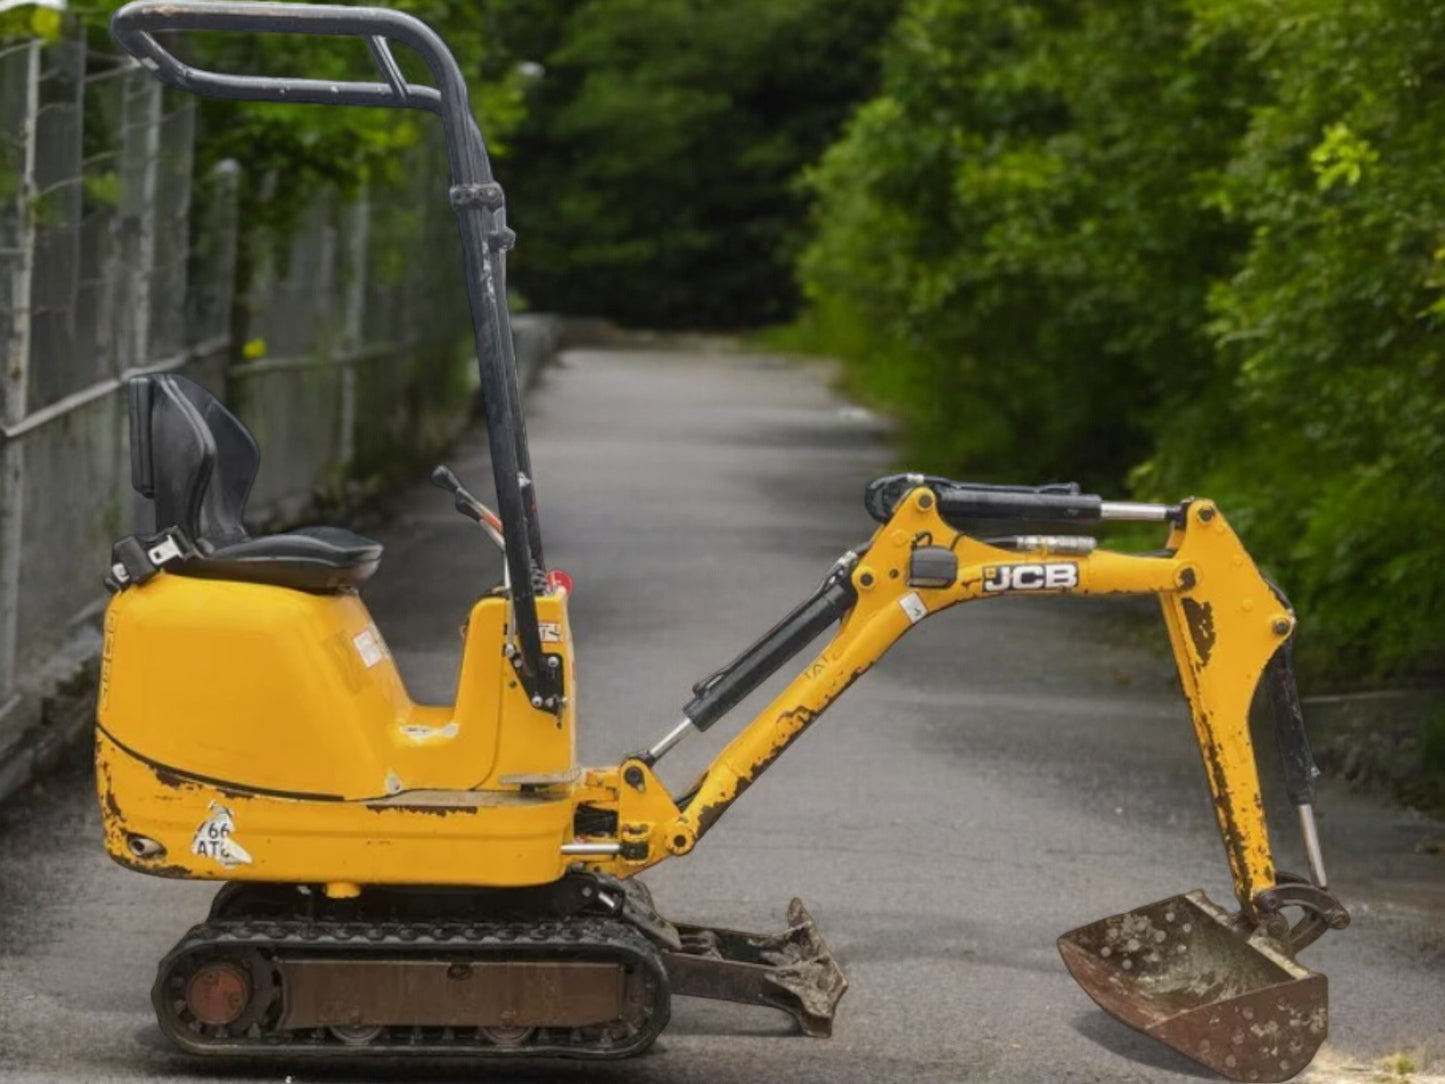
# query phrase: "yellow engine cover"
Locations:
[[257, 686], [285, 709]]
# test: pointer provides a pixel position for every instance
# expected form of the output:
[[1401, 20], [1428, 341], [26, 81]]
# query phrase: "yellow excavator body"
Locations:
[[444, 879], [241, 704], [283, 711]]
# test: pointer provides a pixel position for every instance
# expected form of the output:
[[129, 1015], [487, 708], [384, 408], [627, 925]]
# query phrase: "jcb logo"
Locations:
[[1055, 576]]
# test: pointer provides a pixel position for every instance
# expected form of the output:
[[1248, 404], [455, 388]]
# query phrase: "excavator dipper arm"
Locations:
[[1221, 988], [1225, 624]]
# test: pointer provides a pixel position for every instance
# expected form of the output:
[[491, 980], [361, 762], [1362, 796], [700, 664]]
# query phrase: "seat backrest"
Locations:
[[192, 456]]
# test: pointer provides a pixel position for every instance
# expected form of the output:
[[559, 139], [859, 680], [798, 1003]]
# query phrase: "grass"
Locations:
[[1397, 1067]]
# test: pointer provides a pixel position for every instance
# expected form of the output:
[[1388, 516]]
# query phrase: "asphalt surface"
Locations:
[[1010, 771]]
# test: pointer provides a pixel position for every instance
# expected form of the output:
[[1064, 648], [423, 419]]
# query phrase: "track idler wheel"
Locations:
[[218, 997], [218, 993]]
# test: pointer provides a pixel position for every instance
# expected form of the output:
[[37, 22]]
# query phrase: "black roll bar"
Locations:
[[475, 196]]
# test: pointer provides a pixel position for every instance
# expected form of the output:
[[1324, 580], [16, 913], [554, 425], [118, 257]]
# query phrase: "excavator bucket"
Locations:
[[1204, 982]]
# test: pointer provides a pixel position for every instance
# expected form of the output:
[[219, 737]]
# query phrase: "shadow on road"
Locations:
[[337, 1068], [1117, 1038]]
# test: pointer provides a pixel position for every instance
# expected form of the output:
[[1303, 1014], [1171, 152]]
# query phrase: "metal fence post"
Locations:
[[356, 234], [139, 154], [211, 277], [16, 374]]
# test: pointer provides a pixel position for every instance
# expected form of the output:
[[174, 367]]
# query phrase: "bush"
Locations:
[[1327, 428], [1021, 216], [1191, 245]]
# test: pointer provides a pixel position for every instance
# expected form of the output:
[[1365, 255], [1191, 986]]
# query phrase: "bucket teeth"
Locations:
[[1201, 981]]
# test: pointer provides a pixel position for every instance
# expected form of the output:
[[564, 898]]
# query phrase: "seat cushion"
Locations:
[[308, 559]]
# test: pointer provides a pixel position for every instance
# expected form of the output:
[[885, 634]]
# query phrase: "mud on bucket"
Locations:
[[1191, 975]]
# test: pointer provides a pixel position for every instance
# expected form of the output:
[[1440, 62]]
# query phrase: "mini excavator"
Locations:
[[402, 878]]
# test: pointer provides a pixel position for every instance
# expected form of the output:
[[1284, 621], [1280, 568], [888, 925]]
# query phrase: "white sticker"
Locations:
[[417, 732], [913, 606], [550, 631], [216, 838], [369, 646]]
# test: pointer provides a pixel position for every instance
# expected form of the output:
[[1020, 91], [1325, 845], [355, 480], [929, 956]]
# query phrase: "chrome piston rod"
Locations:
[[1138, 511]]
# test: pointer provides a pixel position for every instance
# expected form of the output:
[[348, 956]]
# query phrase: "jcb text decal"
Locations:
[[1052, 576]]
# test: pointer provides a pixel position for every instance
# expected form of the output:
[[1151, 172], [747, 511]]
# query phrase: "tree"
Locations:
[[1195, 244], [1012, 238], [652, 179]]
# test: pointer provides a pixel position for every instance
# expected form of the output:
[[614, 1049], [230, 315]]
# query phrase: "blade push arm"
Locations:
[[1224, 623]]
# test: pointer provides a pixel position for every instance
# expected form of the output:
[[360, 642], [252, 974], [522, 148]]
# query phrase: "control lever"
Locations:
[[443, 478]]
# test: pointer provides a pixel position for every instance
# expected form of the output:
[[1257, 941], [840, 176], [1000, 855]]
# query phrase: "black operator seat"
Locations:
[[196, 461]]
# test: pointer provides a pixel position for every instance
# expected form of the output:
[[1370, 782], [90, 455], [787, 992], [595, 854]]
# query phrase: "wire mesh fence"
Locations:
[[117, 257]]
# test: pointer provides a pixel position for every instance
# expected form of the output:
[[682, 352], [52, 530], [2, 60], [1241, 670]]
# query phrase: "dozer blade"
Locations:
[[1202, 981], [792, 971]]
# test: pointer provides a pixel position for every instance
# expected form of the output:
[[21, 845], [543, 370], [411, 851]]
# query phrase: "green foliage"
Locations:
[[343, 147], [102, 188], [1427, 788], [30, 21], [1020, 216], [288, 152], [1194, 244], [652, 180], [294, 158], [1328, 425]]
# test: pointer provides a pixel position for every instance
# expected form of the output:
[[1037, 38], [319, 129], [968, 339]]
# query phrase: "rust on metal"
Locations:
[[218, 993], [804, 717], [417, 807], [1322, 911], [1199, 616], [708, 815], [1236, 847], [1204, 982], [109, 806], [792, 971], [324, 992]]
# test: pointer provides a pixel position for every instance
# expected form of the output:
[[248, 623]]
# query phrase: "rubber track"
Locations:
[[576, 937]]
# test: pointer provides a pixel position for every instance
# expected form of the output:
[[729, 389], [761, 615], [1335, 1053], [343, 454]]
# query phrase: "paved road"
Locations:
[[1007, 773]]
